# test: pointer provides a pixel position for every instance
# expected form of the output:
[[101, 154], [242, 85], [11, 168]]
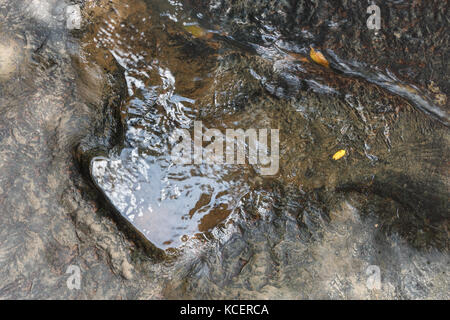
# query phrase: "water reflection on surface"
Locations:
[[179, 69], [168, 203]]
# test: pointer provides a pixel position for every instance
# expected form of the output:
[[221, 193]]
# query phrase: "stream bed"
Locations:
[[88, 123]]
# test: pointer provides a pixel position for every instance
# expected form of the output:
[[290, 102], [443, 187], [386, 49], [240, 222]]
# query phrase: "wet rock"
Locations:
[[49, 215]]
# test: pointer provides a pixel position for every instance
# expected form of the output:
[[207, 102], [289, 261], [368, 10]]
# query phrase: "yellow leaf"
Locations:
[[339, 154], [195, 30], [318, 57]]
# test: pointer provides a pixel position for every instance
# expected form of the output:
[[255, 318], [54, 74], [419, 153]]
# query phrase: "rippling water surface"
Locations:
[[166, 73], [180, 67]]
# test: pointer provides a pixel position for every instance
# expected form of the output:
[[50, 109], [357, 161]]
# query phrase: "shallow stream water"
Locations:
[[310, 230], [180, 68]]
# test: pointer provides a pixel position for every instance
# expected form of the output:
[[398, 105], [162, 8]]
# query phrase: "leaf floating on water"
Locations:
[[339, 154], [195, 30], [318, 57]]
